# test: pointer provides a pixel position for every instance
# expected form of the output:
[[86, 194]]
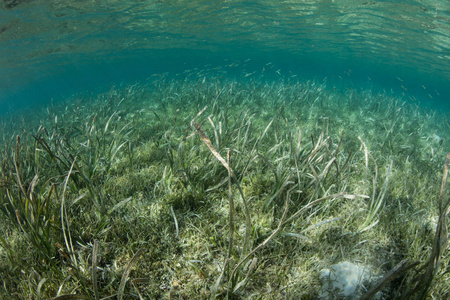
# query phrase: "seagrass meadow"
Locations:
[[209, 187]]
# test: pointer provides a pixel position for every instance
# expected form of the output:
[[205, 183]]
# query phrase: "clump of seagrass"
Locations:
[[377, 199], [234, 285], [237, 272], [420, 284], [29, 199], [94, 278]]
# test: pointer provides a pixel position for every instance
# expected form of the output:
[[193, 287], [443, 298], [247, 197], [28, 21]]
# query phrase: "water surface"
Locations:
[[50, 49]]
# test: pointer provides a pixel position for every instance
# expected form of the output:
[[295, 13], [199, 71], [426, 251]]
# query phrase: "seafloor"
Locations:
[[206, 187]]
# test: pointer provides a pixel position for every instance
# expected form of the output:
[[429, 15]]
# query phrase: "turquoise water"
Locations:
[[54, 48], [333, 117]]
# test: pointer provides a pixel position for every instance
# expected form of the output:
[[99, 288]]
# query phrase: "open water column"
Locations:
[[198, 149]]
